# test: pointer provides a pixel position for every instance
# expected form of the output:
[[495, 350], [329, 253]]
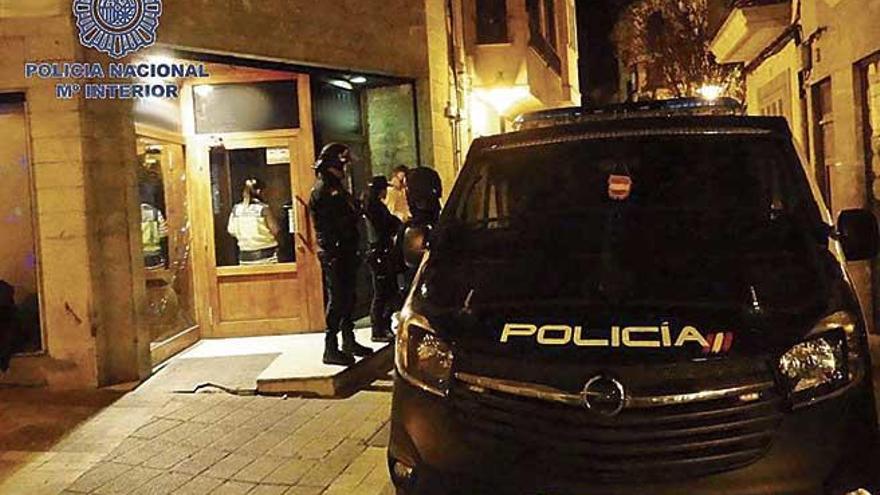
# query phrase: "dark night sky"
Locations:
[[598, 65]]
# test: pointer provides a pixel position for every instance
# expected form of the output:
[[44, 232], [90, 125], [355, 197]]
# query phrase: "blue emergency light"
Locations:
[[641, 109]]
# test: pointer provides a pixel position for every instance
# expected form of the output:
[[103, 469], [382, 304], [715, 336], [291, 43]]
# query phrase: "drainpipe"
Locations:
[[456, 109]]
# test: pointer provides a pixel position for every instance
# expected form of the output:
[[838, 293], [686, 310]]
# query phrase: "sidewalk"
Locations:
[[152, 441], [158, 443], [164, 438]]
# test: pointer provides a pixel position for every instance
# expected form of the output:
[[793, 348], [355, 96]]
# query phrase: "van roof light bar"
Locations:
[[633, 110]]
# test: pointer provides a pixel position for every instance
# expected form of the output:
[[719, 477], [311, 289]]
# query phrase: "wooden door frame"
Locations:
[[204, 257]]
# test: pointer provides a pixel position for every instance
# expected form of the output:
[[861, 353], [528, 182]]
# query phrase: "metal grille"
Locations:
[[674, 441]]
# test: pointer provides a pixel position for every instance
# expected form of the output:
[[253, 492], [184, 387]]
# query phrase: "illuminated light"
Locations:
[[160, 59], [339, 83], [860, 491], [204, 89], [358, 79], [711, 92], [156, 60], [502, 99], [402, 473], [481, 118]]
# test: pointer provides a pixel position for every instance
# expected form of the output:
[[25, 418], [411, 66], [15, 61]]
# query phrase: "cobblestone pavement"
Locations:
[[159, 443]]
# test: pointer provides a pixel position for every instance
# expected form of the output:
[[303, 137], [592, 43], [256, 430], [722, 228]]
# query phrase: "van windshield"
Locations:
[[708, 212]]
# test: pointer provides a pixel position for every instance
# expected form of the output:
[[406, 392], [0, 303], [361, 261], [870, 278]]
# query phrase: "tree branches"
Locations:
[[669, 41]]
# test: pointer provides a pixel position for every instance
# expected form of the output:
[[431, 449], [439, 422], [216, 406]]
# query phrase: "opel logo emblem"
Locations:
[[604, 396]]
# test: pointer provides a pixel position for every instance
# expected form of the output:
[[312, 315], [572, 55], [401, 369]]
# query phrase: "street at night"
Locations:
[[439, 247]]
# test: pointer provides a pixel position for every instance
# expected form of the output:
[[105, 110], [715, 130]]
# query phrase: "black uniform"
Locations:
[[336, 222], [424, 190], [384, 263]]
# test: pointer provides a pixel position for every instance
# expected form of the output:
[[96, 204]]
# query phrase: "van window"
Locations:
[[709, 210]]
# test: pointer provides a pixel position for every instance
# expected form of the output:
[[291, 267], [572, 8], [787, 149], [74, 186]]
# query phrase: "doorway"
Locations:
[[258, 275], [19, 266]]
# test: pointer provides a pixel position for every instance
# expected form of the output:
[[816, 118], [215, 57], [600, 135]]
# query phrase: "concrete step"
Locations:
[[299, 370]]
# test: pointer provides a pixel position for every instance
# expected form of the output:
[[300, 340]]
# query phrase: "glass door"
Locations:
[[265, 277], [166, 247]]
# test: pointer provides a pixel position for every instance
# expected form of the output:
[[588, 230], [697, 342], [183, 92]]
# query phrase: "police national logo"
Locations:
[[117, 27]]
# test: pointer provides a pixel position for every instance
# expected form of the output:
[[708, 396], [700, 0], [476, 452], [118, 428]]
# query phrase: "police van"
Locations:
[[640, 299]]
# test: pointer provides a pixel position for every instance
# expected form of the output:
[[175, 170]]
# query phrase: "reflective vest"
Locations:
[[153, 229], [249, 226]]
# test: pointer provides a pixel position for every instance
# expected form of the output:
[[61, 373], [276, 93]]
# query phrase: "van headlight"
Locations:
[[830, 360], [421, 357]]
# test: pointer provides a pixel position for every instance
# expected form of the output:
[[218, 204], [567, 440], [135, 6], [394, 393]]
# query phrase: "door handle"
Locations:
[[305, 242]]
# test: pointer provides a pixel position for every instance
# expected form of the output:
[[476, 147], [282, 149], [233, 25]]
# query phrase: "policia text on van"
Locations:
[[631, 304]]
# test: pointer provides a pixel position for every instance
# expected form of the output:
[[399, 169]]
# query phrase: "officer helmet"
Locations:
[[378, 183], [334, 155]]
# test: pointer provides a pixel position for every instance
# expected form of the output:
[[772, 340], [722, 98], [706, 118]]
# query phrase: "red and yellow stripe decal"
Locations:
[[719, 343]]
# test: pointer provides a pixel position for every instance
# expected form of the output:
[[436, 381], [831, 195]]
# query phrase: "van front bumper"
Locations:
[[828, 448]]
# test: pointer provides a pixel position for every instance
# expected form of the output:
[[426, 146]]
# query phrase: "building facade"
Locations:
[[815, 62], [119, 208]]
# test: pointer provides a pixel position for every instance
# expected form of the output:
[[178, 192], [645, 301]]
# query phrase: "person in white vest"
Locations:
[[253, 225]]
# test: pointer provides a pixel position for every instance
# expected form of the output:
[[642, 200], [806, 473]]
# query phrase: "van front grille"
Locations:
[[644, 444]]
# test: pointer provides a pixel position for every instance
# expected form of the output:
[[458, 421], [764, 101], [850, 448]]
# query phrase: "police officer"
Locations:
[[382, 230], [424, 190], [336, 217]]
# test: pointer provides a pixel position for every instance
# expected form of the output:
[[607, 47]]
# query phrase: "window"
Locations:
[[243, 107], [823, 135], [542, 31], [492, 22], [693, 213], [253, 209], [548, 21]]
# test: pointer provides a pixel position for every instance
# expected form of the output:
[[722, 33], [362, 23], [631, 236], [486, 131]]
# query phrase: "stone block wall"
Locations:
[[391, 127], [82, 155]]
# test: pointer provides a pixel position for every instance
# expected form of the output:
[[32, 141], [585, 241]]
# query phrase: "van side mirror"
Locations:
[[858, 233], [415, 243]]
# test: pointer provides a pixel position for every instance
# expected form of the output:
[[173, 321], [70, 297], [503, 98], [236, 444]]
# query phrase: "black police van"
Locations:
[[635, 300]]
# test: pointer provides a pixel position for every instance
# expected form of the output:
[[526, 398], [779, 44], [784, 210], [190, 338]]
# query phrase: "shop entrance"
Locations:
[[261, 122], [252, 146]]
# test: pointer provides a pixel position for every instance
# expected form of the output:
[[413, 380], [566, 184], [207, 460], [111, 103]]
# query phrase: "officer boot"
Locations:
[[332, 354], [382, 335], [350, 346]]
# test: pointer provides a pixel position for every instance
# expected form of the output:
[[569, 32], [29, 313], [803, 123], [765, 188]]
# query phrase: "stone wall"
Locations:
[[845, 32], [59, 179], [83, 158], [762, 87], [391, 128]]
